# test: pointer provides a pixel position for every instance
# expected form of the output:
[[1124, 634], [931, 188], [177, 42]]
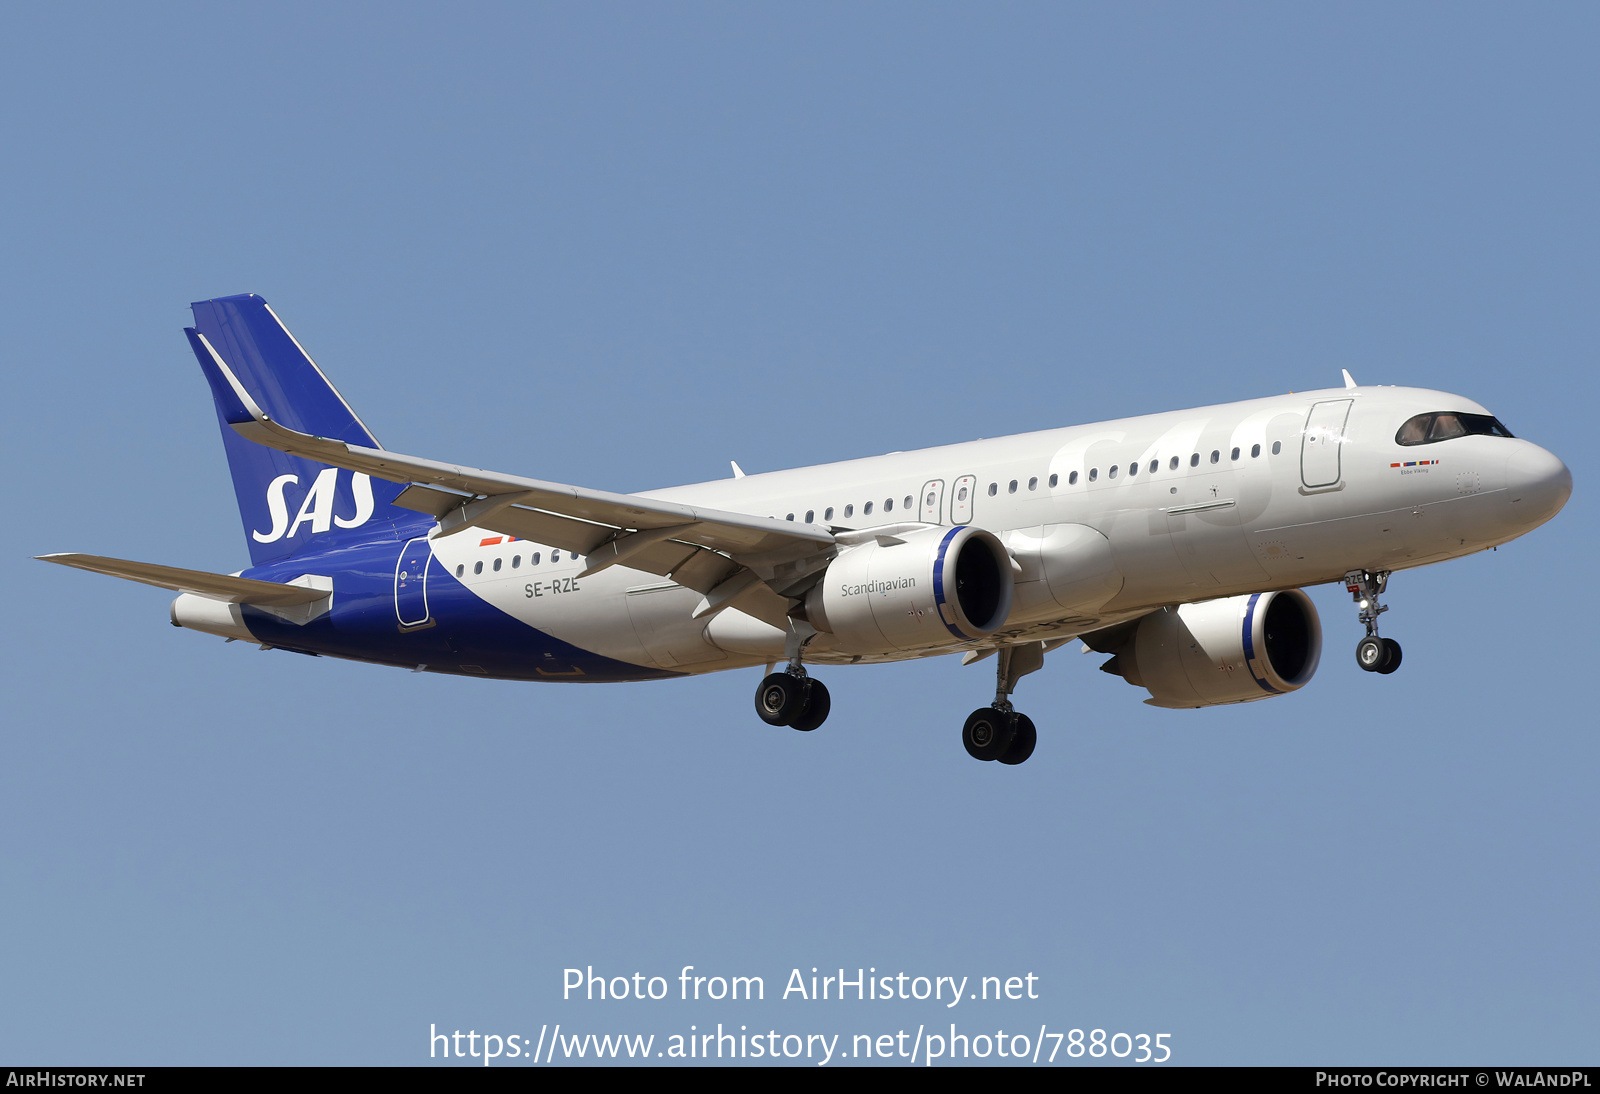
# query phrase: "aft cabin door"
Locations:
[[1320, 445], [411, 583]]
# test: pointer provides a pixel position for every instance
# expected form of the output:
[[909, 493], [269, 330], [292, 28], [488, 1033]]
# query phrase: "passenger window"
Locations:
[[1277, 447], [533, 560], [1255, 450], [849, 509], [1133, 468], [461, 569], [1056, 478], [810, 515], [789, 517], [994, 488], [1094, 473], [1072, 479], [888, 505], [930, 500], [1173, 464], [1194, 460], [1033, 483], [961, 495], [555, 556], [827, 514], [1215, 456], [1235, 455], [1012, 489], [1113, 473], [866, 510], [497, 565], [477, 567], [907, 503], [516, 560], [1153, 465]]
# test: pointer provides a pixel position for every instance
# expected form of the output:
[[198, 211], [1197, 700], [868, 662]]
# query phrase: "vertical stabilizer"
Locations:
[[287, 503]]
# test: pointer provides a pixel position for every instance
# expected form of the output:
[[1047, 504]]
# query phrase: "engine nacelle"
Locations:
[[1233, 650], [914, 590]]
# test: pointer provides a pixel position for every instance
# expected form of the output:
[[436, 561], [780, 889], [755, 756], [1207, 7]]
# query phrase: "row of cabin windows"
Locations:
[[1133, 468], [1172, 464], [850, 510], [1033, 482], [516, 562]]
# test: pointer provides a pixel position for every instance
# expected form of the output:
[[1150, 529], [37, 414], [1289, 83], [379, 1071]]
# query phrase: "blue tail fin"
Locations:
[[287, 503]]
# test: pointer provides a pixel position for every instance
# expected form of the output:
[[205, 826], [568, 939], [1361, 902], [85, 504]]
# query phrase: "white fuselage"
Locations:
[[1194, 504]]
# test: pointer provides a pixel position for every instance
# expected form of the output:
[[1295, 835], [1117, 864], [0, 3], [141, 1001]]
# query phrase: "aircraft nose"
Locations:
[[1538, 485]]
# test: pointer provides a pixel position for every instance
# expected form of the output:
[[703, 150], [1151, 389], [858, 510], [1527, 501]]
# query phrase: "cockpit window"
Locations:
[[1444, 425]]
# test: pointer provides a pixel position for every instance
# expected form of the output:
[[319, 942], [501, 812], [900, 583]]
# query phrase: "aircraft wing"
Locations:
[[712, 551], [231, 590]]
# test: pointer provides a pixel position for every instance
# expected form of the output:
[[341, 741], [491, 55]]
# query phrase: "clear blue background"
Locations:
[[619, 245]]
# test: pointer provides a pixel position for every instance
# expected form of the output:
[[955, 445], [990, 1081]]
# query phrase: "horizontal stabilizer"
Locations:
[[231, 590]]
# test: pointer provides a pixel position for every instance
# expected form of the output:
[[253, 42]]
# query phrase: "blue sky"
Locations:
[[620, 245]]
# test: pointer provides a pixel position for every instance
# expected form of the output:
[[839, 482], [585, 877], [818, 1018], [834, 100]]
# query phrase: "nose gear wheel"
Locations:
[[1373, 653]]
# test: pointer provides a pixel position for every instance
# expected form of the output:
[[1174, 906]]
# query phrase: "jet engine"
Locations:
[[1232, 650], [913, 590]]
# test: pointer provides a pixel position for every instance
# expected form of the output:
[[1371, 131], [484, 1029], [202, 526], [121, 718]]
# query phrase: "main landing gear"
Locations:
[[999, 732], [791, 698], [1373, 654]]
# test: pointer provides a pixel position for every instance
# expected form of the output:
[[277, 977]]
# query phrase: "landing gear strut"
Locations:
[[792, 698], [1000, 732], [1373, 654]]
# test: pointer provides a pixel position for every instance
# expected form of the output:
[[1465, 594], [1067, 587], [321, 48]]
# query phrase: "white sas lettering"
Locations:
[[361, 488], [278, 508], [318, 506]]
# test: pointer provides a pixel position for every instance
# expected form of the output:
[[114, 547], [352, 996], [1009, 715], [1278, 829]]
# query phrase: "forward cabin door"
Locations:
[[1321, 442]]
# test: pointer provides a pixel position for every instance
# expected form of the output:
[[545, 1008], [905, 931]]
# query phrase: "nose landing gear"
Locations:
[[1373, 654]]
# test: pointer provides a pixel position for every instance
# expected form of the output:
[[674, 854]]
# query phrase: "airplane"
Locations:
[[1175, 543]]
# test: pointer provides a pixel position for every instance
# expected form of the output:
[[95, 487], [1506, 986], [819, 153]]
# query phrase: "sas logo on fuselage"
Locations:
[[317, 508]]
